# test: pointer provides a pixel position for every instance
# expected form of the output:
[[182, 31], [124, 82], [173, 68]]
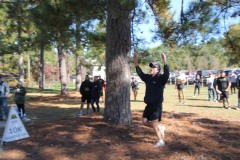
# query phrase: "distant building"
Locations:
[[99, 70]]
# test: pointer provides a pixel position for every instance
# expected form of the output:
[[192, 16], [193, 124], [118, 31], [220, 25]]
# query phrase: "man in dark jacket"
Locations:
[[101, 84], [96, 93], [155, 83], [85, 91], [222, 86]]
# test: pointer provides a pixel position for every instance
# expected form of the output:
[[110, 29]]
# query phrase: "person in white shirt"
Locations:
[[180, 85], [211, 89], [233, 80]]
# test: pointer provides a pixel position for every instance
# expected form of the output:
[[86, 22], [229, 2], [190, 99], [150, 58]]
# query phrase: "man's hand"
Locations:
[[135, 59], [164, 58]]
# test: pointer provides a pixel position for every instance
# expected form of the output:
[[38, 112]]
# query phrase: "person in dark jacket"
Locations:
[[155, 84], [222, 86], [101, 84], [85, 91], [19, 98], [197, 85], [96, 93]]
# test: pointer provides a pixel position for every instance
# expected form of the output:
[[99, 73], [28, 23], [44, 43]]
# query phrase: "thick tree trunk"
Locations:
[[62, 70], [117, 102]]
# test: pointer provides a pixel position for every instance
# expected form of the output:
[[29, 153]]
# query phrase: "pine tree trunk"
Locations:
[[21, 68], [78, 57], [78, 72], [117, 102], [62, 70], [41, 72], [29, 68]]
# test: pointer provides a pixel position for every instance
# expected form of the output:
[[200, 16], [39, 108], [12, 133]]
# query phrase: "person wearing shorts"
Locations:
[[181, 79], [222, 87], [155, 84], [134, 85], [85, 91]]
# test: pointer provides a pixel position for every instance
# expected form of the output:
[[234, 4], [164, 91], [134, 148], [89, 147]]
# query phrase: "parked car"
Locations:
[[237, 71], [190, 76], [234, 70], [172, 77], [204, 74]]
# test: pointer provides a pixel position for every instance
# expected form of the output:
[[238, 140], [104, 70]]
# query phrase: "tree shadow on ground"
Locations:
[[56, 133], [197, 106]]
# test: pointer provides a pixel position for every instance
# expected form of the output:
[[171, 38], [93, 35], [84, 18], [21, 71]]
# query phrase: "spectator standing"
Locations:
[[85, 91], [19, 98], [222, 86], [238, 86], [134, 85], [197, 85], [216, 76], [211, 90], [155, 84], [233, 80], [101, 84], [4, 92], [96, 93], [180, 85]]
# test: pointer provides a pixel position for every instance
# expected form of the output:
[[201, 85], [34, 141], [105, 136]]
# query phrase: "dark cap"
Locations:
[[154, 66]]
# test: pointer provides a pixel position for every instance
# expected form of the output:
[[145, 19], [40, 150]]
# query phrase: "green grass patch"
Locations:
[[199, 105]]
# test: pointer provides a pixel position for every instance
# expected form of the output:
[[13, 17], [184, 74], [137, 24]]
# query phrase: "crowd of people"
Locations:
[[91, 93], [219, 86]]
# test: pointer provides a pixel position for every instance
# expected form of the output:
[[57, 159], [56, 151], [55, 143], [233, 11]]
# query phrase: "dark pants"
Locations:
[[197, 88], [3, 107], [95, 100], [233, 88], [21, 109]]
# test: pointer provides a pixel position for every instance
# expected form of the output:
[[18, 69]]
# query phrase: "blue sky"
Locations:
[[176, 7], [147, 27]]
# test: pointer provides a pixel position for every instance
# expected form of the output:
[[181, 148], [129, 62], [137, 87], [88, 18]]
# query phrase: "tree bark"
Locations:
[[62, 70], [78, 72], [78, 57], [21, 68], [117, 101], [29, 68], [41, 73]]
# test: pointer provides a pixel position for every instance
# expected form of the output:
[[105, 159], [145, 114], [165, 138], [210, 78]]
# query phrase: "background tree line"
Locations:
[[40, 34]]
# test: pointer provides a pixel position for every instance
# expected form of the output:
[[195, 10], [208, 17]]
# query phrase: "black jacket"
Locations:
[[238, 82], [154, 85], [96, 90], [86, 88]]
